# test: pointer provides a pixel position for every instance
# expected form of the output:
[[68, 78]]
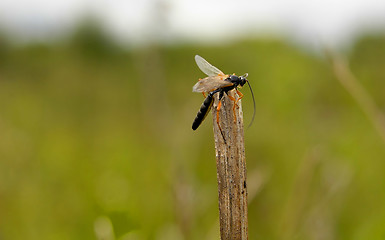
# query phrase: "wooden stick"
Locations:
[[231, 169]]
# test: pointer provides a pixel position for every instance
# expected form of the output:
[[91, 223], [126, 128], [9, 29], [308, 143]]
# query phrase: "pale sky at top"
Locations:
[[307, 21]]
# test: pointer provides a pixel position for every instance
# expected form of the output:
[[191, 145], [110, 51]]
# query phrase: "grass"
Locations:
[[100, 137]]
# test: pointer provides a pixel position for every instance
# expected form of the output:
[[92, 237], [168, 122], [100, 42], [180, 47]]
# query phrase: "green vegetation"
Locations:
[[93, 136]]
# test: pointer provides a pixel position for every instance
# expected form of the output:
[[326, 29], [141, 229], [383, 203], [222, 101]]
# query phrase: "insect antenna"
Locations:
[[252, 95]]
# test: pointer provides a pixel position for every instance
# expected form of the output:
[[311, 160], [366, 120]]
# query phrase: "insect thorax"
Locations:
[[237, 80]]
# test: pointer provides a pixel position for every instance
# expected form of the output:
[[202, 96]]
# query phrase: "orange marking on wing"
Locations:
[[222, 76]]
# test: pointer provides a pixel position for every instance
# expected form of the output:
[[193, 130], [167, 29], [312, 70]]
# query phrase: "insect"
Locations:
[[217, 82]]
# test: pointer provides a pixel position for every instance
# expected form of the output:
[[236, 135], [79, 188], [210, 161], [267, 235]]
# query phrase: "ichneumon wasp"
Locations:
[[217, 82]]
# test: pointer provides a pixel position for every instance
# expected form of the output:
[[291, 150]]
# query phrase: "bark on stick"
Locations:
[[231, 169]]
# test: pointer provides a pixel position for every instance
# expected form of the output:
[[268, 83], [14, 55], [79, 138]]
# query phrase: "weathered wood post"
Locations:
[[231, 169]]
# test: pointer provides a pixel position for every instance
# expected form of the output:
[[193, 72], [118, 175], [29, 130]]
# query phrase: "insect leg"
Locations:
[[240, 96], [235, 104], [219, 108]]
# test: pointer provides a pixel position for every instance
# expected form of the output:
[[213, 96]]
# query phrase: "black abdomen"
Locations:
[[202, 113]]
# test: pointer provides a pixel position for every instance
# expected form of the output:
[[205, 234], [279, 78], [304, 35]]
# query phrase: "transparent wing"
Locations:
[[211, 83], [206, 67]]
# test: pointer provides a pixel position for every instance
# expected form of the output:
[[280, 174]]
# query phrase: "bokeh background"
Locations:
[[96, 110]]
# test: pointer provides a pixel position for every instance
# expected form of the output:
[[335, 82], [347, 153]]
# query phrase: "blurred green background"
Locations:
[[96, 141]]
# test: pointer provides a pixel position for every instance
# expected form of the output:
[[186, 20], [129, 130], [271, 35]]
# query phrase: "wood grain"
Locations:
[[231, 169]]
